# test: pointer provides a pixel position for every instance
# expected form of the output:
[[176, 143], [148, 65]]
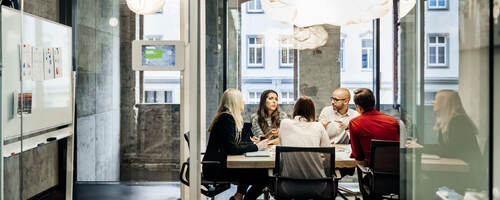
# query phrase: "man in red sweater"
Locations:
[[371, 124]]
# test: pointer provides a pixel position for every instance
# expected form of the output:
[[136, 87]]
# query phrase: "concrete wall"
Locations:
[[319, 84], [40, 172], [97, 91], [155, 155]]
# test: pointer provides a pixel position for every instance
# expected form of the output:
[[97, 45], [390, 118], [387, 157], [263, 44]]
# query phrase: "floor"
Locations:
[[147, 191]]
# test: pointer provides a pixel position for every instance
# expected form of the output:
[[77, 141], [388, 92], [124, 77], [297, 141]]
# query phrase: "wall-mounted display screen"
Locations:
[[158, 55]]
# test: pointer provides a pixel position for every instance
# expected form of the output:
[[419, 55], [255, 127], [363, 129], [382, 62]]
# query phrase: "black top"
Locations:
[[462, 142], [222, 142]]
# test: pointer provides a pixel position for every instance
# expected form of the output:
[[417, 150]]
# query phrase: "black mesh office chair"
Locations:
[[381, 177], [209, 188], [305, 188]]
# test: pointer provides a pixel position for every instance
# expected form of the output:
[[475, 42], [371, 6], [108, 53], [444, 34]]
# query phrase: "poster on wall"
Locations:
[[27, 66], [24, 102], [38, 72], [48, 63], [57, 62]]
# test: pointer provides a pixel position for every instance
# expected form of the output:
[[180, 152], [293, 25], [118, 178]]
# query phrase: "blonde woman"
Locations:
[[226, 139], [457, 139]]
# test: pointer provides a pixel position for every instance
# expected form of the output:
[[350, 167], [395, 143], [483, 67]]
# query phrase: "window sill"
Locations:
[[286, 66], [438, 9], [438, 66], [255, 12], [255, 67]]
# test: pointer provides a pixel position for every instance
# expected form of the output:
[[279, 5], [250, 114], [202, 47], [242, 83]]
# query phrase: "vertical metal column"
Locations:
[[194, 90], [376, 70]]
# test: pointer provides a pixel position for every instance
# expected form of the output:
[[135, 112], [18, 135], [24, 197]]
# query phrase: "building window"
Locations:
[[286, 98], [286, 51], [254, 97], [438, 48], [438, 4], [255, 51], [254, 6], [366, 54], [341, 54], [158, 97]]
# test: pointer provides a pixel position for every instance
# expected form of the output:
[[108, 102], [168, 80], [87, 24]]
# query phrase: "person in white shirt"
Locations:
[[303, 131], [335, 118]]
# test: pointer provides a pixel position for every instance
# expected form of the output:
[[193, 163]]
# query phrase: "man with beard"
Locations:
[[335, 118]]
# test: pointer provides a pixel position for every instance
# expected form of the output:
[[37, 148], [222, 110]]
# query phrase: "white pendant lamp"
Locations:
[[144, 7], [304, 13]]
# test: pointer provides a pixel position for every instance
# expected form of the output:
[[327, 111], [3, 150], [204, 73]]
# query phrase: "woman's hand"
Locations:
[[262, 144], [254, 139], [275, 131], [274, 141]]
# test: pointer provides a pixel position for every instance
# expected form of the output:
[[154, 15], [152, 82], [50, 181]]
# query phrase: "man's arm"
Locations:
[[357, 151]]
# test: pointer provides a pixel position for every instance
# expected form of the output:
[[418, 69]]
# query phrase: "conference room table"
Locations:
[[342, 160]]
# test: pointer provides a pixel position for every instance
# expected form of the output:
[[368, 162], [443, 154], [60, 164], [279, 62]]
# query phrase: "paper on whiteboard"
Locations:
[[48, 61], [57, 62], [27, 68], [38, 68]]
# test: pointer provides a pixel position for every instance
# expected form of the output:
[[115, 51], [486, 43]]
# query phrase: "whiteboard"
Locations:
[[52, 103]]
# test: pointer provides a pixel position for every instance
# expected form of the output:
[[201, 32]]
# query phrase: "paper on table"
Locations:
[[430, 156], [264, 153]]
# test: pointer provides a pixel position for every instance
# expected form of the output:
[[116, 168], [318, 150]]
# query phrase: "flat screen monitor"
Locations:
[[158, 55]]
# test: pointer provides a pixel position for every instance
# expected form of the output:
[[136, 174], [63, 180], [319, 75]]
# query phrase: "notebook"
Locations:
[[258, 154]]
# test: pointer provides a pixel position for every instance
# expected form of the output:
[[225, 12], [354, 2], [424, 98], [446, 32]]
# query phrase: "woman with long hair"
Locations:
[[226, 139], [457, 139], [266, 122]]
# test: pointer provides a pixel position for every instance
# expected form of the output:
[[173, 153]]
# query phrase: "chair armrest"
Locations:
[[364, 169], [338, 176]]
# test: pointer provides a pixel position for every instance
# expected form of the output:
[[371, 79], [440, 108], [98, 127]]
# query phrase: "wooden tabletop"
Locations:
[[445, 165], [342, 160]]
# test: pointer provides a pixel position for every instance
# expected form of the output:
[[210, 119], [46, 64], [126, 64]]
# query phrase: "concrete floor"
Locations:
[[147, 191]]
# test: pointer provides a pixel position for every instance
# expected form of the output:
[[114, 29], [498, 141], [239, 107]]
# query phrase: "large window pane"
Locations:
[[446, 101]]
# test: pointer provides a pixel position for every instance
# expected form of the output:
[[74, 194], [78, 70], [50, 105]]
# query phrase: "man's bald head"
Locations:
[[342, 93]]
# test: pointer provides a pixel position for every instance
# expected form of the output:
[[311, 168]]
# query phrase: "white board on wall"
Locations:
[[52, 99]]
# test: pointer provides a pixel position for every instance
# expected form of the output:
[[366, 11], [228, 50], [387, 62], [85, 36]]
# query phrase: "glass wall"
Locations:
[[445, 99]]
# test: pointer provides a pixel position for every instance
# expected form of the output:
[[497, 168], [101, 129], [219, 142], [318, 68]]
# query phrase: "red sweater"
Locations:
[[371, 125]]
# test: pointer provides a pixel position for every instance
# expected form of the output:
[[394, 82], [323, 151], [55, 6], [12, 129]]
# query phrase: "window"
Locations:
[[287, 51], [286, 98], [254, 97], [341, 54], [367, 54], [438, 4], [438, 45], [254, 7], [158, 97], [255, 51]]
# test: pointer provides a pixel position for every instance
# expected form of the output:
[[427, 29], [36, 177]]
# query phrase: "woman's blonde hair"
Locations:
[[231, 103], [449, 106]]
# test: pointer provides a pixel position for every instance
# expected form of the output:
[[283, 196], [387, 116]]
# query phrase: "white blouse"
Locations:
[[298, 132]]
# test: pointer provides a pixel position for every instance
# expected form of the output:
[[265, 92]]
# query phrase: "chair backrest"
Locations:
[[288, 187], [384, 163], [384, 157]]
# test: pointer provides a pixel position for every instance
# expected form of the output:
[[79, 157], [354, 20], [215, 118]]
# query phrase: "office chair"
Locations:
[[382, 173], [305, 188], [210, 188]]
